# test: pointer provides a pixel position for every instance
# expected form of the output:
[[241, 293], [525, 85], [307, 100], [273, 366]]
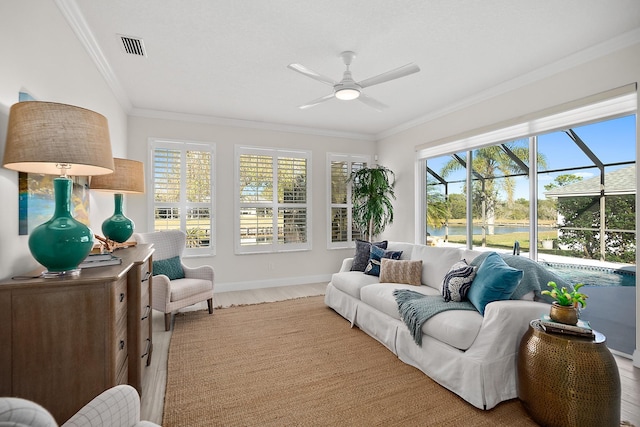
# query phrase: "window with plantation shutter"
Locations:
[[272, 200], [182, 191], [342, 232]]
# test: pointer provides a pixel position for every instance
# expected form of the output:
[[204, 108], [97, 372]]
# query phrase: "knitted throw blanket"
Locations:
[[416, 308]]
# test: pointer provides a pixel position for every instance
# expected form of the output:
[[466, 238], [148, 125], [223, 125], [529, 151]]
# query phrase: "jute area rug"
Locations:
[[298, 363]]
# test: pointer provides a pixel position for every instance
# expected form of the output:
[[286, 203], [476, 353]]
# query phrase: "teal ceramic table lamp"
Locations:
[[58, 139], [128, 177]]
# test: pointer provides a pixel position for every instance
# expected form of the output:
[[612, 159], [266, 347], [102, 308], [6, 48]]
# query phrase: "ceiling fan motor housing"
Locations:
[[347, 89]]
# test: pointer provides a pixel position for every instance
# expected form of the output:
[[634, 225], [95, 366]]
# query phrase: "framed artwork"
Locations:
[[36, 202]]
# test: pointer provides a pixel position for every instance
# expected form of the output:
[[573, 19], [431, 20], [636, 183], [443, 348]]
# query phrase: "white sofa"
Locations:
[[468, 353]]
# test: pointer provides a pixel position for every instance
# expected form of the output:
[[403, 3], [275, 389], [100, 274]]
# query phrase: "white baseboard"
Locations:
[[271, 283], [636, 358]]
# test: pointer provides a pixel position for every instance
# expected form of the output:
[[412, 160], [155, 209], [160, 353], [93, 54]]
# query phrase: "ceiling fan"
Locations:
[[348, 89]]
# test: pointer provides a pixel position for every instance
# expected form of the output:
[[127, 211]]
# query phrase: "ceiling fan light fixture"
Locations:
[[347, 94]]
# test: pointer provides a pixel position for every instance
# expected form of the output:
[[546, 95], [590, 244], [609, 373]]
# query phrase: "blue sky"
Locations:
[[612, 141]]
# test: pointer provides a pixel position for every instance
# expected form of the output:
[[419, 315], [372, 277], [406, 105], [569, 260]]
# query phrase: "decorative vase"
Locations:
[[118, 227], [566, 314], [63, 242]]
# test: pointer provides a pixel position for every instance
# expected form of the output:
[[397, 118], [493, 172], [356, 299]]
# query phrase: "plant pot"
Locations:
[[566, 314]]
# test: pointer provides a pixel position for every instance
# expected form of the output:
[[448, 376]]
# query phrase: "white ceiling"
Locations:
[[227, 59]]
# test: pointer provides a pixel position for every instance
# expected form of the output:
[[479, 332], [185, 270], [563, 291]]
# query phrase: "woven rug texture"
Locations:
[[298, 363]]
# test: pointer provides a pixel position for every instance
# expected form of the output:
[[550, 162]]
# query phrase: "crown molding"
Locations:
[[78, 24], [76, 20], [74, 17], [248, 124], [592, 53]]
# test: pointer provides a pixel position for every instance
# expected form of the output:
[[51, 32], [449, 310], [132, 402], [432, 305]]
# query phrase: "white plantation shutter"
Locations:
[[182, 192], [272, 200], [342, 231]]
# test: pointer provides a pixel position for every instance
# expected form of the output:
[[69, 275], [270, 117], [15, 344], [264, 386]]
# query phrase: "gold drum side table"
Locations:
[[565, 380]]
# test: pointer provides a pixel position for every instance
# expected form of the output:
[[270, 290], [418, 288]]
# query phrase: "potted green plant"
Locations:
[[565, 305], [372, 193]]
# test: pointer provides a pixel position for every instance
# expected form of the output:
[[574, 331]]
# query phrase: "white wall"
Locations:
[[41, 55], [255, 270], [397, 151]]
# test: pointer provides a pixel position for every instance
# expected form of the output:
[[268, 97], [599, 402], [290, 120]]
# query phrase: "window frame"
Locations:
[[350, 158], [605, 106], [183, 146], [275, 246]]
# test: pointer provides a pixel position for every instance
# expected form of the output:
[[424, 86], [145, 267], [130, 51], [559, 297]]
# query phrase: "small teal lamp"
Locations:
[[58, 139], [128, 177]]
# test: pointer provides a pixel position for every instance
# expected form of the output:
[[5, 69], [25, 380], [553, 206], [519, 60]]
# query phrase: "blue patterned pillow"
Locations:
[[376, 253], [457, 281], [363, 252], [170, 267]]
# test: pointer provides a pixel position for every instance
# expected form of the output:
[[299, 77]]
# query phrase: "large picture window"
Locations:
[[272, 200], [562, 191], [182, 192], [342, 232]]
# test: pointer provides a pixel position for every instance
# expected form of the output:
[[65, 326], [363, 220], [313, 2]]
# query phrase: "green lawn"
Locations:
[[506, 241]]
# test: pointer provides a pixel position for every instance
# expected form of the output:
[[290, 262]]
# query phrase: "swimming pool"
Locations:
[[593, 275]]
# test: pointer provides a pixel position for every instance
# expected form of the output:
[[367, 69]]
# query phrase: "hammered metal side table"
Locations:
[[566, 380]]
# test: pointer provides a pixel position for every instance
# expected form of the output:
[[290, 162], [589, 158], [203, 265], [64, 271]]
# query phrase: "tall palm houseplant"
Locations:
[[372, 193]]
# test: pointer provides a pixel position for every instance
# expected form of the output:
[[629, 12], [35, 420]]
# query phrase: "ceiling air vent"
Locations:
[[132, 45]]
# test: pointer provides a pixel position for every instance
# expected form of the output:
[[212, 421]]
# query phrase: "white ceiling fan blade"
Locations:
[[310, 73], [316, 102], [376, 105], [405, 70]]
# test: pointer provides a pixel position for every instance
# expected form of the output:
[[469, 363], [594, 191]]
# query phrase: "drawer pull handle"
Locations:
[[146, 276], [121, 344], [146, 352], [146, 312], [121, 296]]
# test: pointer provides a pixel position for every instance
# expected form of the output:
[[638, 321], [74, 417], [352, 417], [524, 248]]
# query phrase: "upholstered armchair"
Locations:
[[118, 406], [177, 286]]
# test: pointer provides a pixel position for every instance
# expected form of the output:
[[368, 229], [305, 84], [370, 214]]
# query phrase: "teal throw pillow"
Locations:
[[376, 254], [170, 267], [494, 281]]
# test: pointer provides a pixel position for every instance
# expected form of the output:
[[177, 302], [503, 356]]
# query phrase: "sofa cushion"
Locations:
[[457, 281], [457, 328], [494, 281], [405, 248], [470, 255], [350, 282], [373, 267], [380, 296], [184, 288], [436, 262], [363, 251], [401, 271]]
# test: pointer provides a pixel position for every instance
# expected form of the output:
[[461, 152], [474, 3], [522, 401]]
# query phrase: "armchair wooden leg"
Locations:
[[167, 321], [210, 305]]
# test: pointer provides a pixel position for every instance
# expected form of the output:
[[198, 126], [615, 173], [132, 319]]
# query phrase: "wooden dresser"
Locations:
[[64, 341]]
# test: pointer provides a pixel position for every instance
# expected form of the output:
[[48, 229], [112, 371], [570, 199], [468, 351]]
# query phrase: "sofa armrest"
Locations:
[[346, 265], [503, 326], [204, 272], [161, 292], [117, 406]]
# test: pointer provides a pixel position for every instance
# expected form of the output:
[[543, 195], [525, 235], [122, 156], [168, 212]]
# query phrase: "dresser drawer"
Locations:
[[121, 344], [120, 299], [123, 375], [145, 301]]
